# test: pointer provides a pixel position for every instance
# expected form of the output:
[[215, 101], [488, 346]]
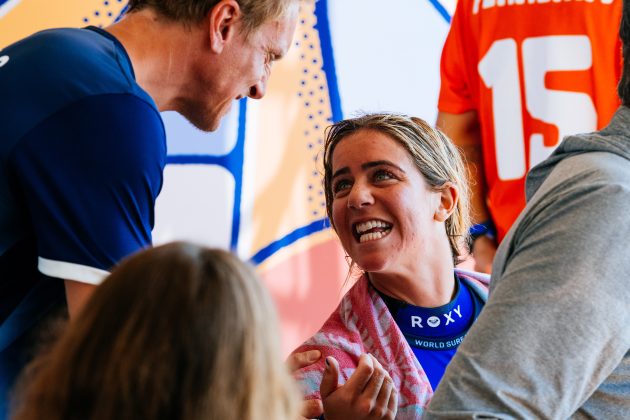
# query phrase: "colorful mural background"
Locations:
[[254, 185]]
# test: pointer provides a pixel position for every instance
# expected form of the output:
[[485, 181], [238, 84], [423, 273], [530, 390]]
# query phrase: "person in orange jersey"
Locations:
[[516, 77], [553, 340]]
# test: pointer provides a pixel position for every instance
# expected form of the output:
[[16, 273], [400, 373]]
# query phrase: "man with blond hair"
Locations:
[[83, 144]]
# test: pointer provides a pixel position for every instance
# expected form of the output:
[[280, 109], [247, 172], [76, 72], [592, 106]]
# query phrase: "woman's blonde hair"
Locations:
[[435, 156], [175, 332]]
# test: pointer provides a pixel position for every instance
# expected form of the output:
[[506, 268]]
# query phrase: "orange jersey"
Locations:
[[535, 71]]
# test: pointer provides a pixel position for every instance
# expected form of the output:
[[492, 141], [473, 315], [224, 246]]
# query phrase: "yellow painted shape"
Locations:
[[30, 16], [289, 135]]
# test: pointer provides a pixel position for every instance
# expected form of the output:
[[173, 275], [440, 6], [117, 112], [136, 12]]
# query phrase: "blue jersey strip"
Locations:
[[434, 334]]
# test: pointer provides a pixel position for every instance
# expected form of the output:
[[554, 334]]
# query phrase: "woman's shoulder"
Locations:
[[339, 332], [479, 282], [474, 276]]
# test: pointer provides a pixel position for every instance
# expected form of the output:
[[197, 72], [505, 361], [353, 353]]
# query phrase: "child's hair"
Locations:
[[175, 332]]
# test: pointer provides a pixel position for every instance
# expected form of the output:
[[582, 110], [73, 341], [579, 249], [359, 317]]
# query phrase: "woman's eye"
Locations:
[[382, 175], [341, 186]]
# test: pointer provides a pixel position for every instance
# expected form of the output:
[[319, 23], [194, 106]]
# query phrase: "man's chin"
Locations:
[[204, 124], [210, 126], [202, 117]]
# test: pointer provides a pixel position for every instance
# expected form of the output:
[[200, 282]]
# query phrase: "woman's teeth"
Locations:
[[372, 230]]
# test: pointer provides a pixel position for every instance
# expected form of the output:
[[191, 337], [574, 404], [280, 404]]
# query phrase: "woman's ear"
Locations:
[[222, 20], [449, 194]]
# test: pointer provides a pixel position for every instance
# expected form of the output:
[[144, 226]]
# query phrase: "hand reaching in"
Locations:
[[310, 408]]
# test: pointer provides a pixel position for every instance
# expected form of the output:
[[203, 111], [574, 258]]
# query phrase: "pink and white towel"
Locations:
[[363, 324]]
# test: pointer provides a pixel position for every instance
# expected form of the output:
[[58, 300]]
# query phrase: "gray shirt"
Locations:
[[553, 340]]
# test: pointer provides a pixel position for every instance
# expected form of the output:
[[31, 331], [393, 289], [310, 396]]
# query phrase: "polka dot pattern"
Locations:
[[104, 13], [313, 92]]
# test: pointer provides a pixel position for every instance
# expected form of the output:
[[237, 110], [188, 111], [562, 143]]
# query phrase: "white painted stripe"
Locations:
[[71, 271], [4, 9]]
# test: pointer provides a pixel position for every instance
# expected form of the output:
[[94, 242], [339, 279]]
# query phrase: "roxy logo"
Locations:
[[4, 59], [434, 321]]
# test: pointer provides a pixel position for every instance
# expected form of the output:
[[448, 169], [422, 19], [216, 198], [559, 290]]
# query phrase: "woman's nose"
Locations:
[[360, 196]]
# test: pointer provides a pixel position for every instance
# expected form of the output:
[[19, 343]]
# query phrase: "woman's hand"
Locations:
[[368, 394]]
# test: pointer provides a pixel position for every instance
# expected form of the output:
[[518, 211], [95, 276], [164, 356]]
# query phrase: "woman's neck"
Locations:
[[424, 286]]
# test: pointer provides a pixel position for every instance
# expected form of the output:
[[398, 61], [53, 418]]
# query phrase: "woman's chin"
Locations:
[[372, 265]]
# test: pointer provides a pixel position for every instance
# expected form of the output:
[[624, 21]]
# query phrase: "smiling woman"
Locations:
[[396, 196]]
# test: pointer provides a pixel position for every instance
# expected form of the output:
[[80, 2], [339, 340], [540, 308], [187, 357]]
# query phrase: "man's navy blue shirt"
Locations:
[[82, 150]]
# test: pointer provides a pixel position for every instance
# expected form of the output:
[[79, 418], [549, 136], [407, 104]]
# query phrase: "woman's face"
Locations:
[[383, 209]]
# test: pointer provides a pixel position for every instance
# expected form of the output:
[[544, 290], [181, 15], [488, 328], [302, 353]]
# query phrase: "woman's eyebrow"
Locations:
[[368, 165], [341, 171], [372, 164]]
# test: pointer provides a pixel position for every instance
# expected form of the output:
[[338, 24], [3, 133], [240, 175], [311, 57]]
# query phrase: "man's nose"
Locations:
[[258, 90]]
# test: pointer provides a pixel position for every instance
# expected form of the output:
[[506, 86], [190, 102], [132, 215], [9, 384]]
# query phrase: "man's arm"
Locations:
[[76, 295], [556, 324], [97, 207], [464, 130]]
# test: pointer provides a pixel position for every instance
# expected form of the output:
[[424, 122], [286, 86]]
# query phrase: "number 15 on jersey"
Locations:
[[570, 112]]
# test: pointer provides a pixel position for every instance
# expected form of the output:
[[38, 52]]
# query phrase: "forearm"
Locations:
[[77, 294], [555, 325], [464, 131]]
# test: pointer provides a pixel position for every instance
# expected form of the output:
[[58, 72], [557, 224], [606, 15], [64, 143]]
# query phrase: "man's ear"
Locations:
[[222, 23], [449, 194]]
